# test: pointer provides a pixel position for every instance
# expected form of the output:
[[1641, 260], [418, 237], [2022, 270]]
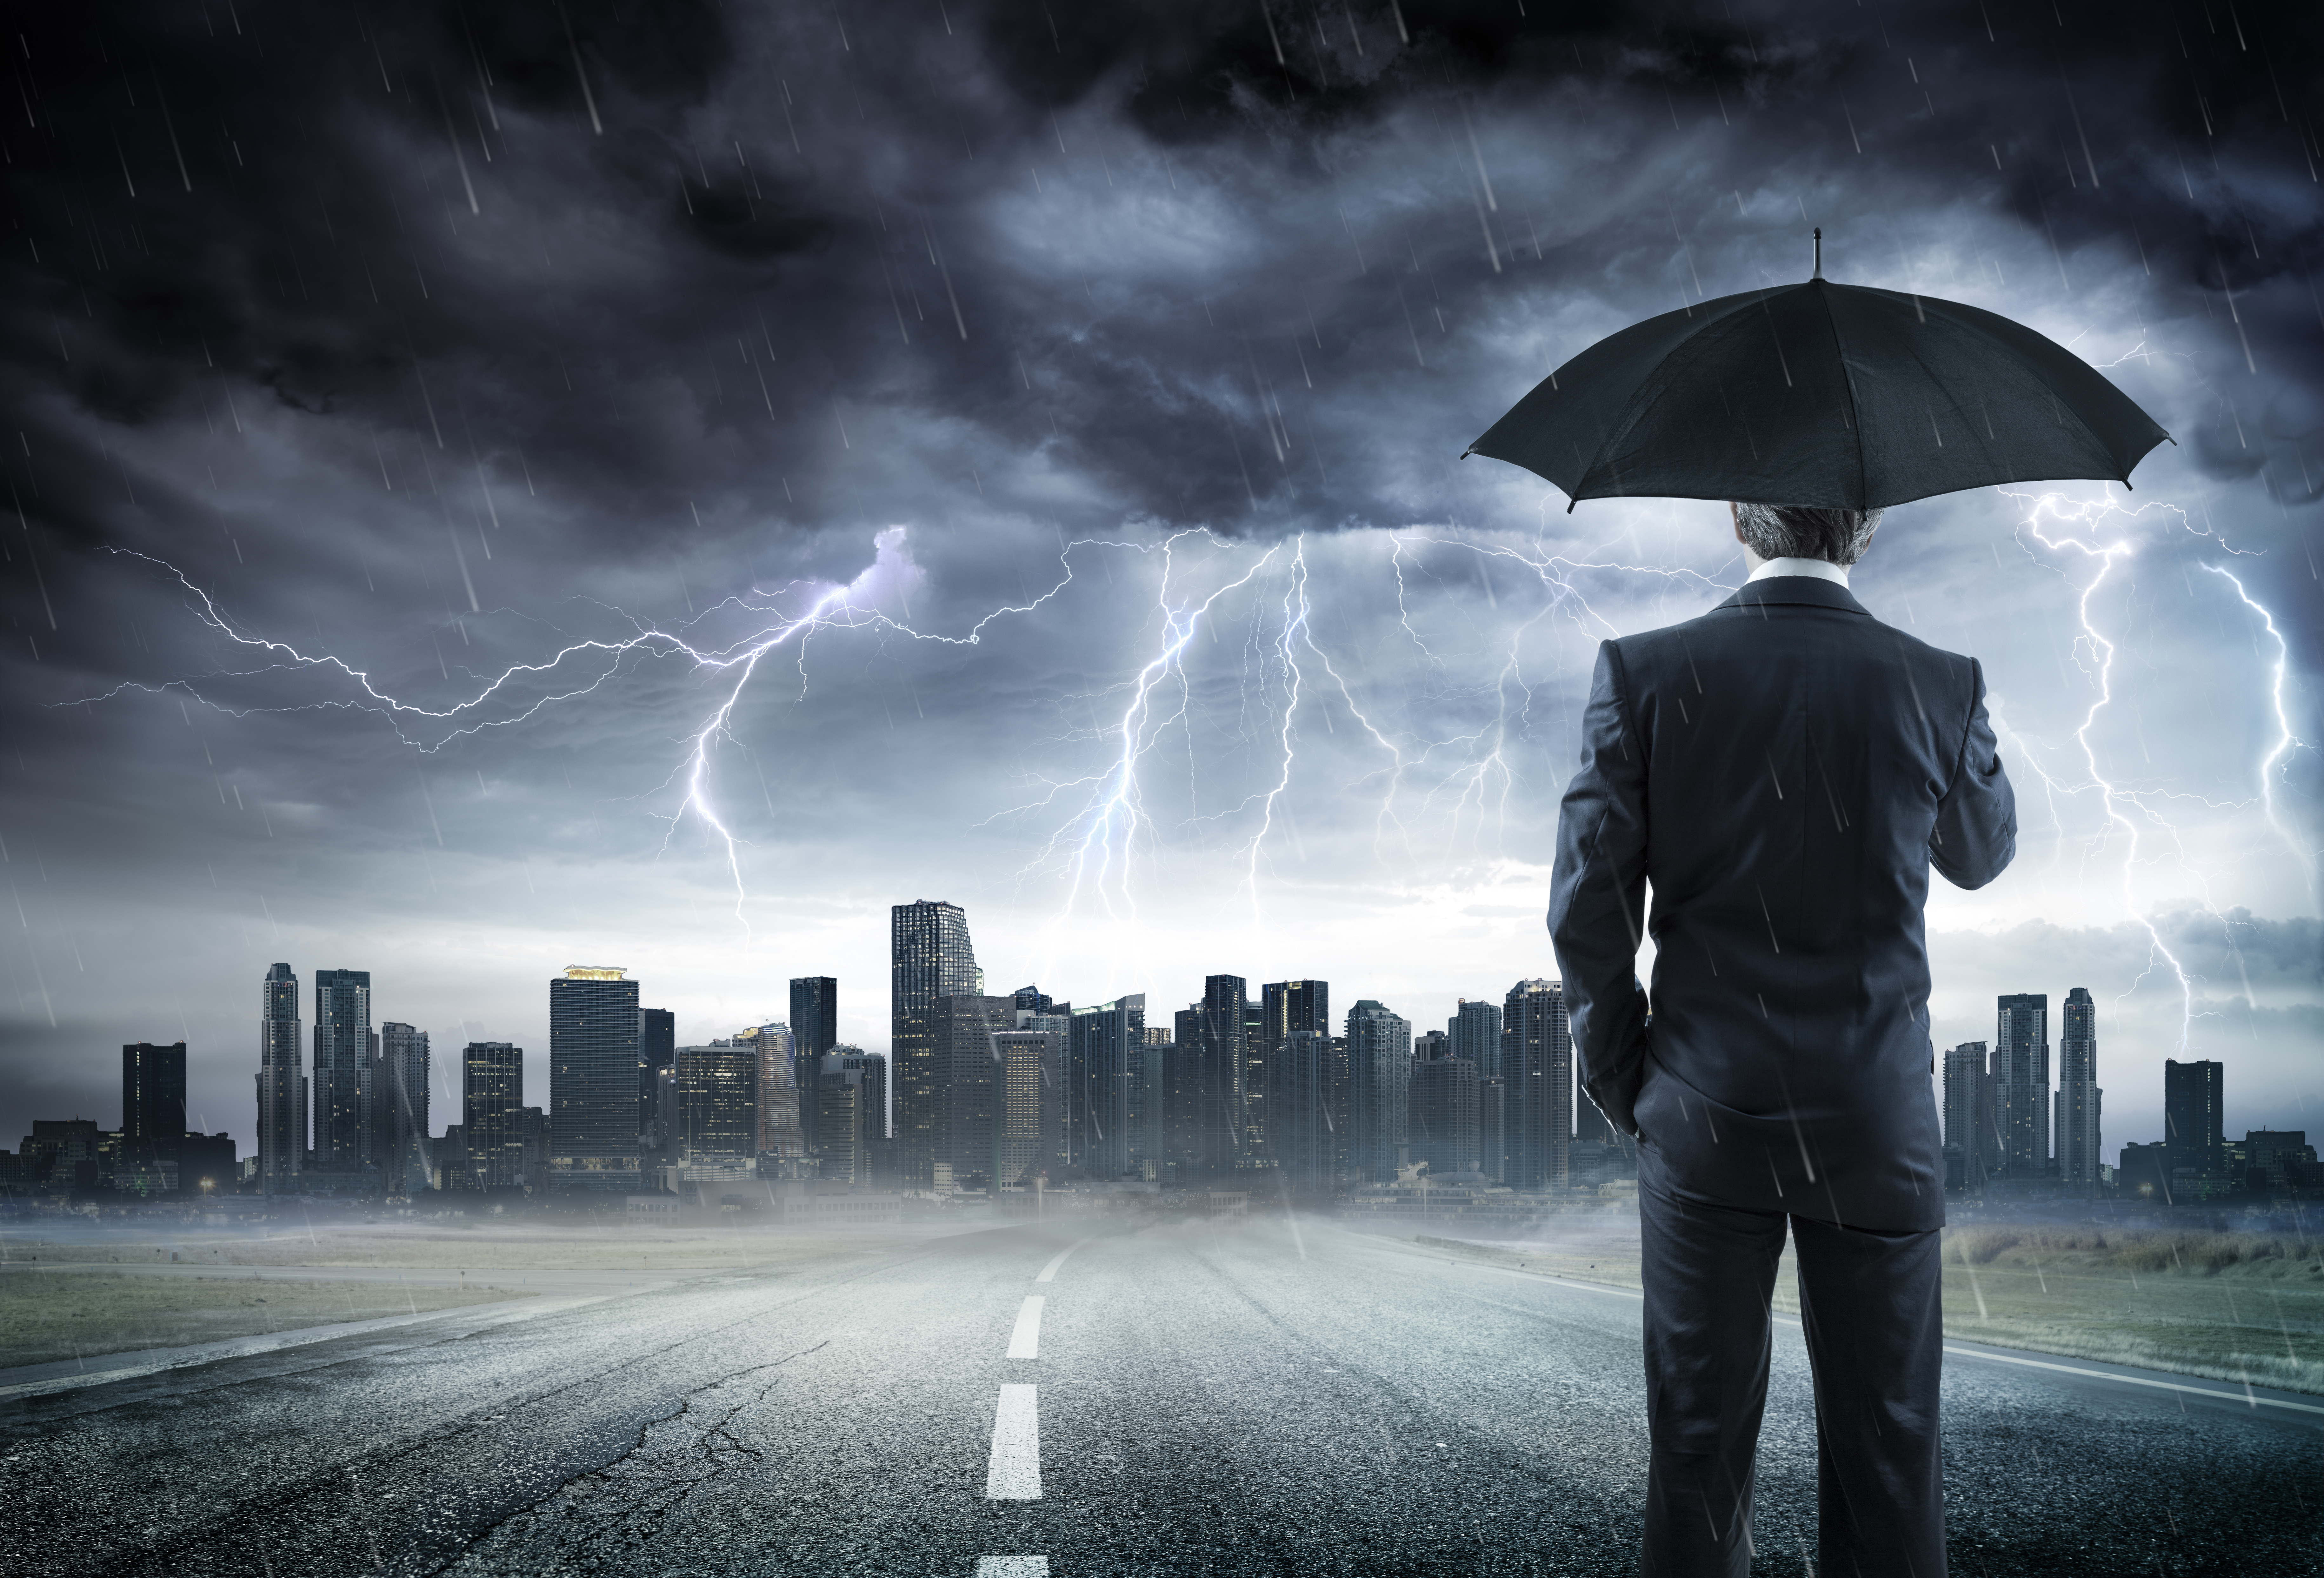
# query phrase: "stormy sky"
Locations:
[[498, 486]]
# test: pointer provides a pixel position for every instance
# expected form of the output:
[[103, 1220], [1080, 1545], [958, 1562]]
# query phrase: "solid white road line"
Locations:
[[2249, 1398], [1026, 1342], [1012, 1567], [1015, 1474], [1049, 1271]]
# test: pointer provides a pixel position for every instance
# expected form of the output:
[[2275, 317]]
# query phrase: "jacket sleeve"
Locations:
[[1976, 834], [1597, 896]]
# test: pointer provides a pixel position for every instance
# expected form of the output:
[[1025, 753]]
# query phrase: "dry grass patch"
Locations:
[[80, 1315]]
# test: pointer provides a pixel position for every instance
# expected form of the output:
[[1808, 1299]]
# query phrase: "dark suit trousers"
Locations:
[[1869, 1302]]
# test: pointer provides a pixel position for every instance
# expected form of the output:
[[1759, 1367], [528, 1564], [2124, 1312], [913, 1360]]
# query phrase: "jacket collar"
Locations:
[[1810, 591]]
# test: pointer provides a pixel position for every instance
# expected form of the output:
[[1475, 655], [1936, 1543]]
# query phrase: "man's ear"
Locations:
[[1734, 519]]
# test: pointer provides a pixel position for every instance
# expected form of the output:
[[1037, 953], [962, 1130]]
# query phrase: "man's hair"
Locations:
[[1807, 532]]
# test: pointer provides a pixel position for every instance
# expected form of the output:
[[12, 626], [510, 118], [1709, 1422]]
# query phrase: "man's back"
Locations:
[[1783, 771]]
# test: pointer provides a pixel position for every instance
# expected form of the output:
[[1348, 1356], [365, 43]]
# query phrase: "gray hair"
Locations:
[[1838, 537]]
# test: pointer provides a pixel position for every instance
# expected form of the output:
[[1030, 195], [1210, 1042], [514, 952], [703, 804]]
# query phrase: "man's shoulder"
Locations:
[[1720, 631]]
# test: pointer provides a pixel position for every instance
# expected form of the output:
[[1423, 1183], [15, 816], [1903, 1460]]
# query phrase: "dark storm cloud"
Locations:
[[438, 339]]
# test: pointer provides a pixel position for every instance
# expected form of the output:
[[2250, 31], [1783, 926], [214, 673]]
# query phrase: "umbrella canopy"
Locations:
[[1817, 394]]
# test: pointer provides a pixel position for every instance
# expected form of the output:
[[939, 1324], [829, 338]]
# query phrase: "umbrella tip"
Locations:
[[1819, 254]]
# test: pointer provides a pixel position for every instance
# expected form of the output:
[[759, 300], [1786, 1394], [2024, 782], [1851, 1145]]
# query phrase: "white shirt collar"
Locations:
[[1821, 569]]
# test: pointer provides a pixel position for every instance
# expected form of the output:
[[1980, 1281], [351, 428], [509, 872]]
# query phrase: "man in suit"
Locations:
[[1782, 772]]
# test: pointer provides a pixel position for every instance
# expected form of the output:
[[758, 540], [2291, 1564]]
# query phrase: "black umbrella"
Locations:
[[1836, 395]]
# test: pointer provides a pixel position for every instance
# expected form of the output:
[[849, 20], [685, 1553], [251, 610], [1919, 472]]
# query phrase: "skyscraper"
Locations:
[[1537, 1089], [1476, 1032], [2021, 1077], [2077, 1125], [492, 1107], [718, 1100], [1285, 1008], [1444, 1129], [592, 1077], [1098, 1084], [1379, 1075], [781, 1113], [929, 956], [281, 1085], [400, 1109], [852, 1095], [1225, 1010], [1299, 1138], [342, 1070], [1025, 1088], [1972, 1143], [815, 1030], [964, 1025], [152, 1099], [657, 1050], [2193, 1117]]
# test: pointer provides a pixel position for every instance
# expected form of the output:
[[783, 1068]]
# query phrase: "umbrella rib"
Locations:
[[1855, 418]]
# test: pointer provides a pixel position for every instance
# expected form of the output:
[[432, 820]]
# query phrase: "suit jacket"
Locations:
[[1783, 772]]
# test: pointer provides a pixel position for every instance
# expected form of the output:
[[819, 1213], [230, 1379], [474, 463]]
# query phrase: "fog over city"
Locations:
[[508, 487]]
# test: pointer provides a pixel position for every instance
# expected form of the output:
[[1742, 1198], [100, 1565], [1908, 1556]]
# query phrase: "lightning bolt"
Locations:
[[2129, 810]]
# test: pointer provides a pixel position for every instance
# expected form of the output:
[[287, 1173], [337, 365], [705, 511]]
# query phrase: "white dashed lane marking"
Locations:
[[1012, 1567], [1024, 1342], [1015, 1474], [1049, 1271]]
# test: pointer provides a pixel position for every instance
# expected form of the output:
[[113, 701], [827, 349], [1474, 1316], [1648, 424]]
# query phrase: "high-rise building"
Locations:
[[1537, 1088], [492, 1106], [1476, 1032], [657, 1050], [718, 1100], [1098, 1084], [2077, 1125], [1492, 1129], [1972, 1138], [781, 1113], [1299, 1070], [815, 1030], [852, 1096], [281, 1085], [1028, 1066], [2020, 1078], [2193, 1117], [593, 1078], [400, 1109], [1379, 1074], [964, 1025], [930, 956], [1444, 1126], [1226, 1004], [1285, 1008], [152, 1099], [342, 1070]]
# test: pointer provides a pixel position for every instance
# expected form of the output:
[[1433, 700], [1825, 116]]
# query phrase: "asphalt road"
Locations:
[[1187, 1398]]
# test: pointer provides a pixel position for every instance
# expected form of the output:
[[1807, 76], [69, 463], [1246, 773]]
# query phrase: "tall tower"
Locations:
[[592, 1077], [1286, 1008], [1969, 1114], [815, 1031], [281, 1085], [400, 1102], [2077, 1126], [492, 1100], [342, 1070], [2021, 1077], [1379, 1095], [1537, 1089], [657, 1052], [153, 1098], [930, 956], [1476, 1032], [2192, 1115]]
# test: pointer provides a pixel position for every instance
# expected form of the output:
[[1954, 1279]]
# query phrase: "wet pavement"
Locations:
[[1191, 1398]]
